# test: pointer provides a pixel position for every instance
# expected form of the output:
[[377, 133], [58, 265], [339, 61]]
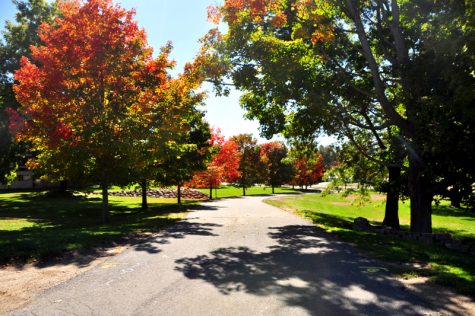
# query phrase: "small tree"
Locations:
[[278, 170], [251, 167], [222, 167], [185, 156]]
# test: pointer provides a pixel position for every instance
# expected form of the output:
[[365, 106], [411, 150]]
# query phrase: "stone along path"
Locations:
[[233, 257]]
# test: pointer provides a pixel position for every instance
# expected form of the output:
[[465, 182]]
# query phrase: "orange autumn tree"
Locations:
[[308, 170], [223, 166], [87, 90]]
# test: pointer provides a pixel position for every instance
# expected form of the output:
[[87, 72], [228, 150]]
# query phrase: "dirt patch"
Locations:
[[341, 203], [20, 285], [378, 197], [374, 197]]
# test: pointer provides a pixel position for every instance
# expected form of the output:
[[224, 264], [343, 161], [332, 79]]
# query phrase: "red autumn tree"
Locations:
[[309, 170], [228, 159], [87, 90], [223, 166]]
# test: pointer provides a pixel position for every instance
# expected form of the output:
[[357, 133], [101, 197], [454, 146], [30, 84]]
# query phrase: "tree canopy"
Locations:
[[96, 99], [15, 43], [394, 69]]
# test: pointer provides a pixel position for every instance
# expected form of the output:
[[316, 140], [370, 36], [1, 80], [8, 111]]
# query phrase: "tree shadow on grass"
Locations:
[[445, 210], [70, 231], [307, 270], [402, 254]]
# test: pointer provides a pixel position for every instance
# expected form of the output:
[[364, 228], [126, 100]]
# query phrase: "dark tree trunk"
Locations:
[[143, 184], [105, 203], [455, 197], [63, 186], [178, 193], [455, 201], [210, 191], [244, 190], [391, 216], [272, 188], [420, 192]]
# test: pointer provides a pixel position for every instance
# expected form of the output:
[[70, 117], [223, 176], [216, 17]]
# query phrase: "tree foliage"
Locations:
[[223, 166], [278, 169], [16, 41], [308, 164], [251, 166], [87, 91], [395, 69]]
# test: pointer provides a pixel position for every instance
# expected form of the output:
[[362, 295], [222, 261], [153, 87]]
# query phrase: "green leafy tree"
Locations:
[[173, 145], [278, 169], [309, 66], [186, 155], [17, 38]]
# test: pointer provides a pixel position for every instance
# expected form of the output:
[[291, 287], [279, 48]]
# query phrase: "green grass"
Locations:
[[234, 191], [34, 226], [335, 213]]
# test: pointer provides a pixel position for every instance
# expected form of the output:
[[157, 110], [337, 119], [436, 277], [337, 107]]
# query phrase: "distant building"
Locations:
[[25, 180]]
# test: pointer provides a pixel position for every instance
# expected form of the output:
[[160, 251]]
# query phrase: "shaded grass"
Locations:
[[34, 226], [227, 191], [408, 258]]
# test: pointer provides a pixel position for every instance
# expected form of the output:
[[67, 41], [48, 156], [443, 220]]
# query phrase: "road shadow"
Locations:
[[306, 269], [204, 207]]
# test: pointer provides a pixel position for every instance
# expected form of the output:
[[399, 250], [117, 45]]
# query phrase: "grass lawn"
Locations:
[[226, 191], [335, 213], [34, 226]]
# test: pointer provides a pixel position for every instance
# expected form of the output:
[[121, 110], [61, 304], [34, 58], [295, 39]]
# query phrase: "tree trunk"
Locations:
[[63, 186], [455, 197], [105, 203], [391, 216], [143, 184], [211, 191], [421, 197], [179, 193], [455, 201], [244, 190], [272, 188]]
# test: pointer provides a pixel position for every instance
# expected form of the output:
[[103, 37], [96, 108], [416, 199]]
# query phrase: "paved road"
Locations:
[[233, 257]]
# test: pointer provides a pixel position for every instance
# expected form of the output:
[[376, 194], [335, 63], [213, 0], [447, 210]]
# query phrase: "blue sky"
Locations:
[[182, 22]]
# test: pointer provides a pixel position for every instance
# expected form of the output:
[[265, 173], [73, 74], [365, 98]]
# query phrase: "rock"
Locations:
[[426, 238], [442, 238], [361, 223], [190, 194], [457, 246]]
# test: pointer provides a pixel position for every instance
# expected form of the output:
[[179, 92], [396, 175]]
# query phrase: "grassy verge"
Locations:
[[234, 191], [335, 213], [34, 226]]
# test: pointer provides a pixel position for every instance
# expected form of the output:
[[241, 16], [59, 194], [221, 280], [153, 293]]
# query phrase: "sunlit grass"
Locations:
[[35, 226], [15, 224], [227, 191]]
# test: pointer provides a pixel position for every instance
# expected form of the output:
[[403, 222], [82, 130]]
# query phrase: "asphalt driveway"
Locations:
[[234, 257]]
